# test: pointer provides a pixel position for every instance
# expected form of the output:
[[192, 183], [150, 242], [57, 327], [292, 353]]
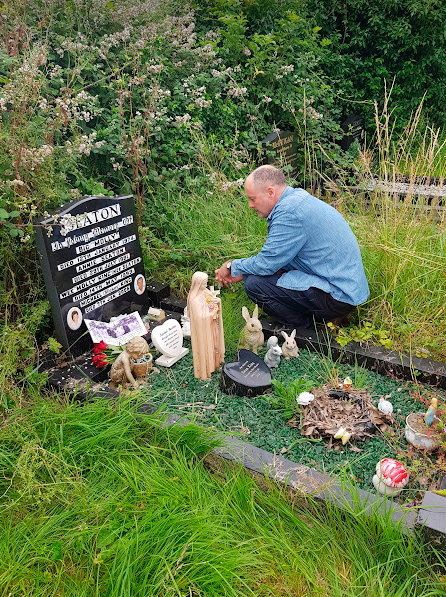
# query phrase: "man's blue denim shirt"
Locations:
[[315, 247]]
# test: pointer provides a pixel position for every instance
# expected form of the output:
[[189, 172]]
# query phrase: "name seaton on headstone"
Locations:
[[92, 265]]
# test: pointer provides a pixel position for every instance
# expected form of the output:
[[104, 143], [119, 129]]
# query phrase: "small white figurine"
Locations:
[[289, 347], [305, 398], [391, 476], [272, 341], [385, 406], [272, 357], [343, 435], [252, 335], [185, 324]]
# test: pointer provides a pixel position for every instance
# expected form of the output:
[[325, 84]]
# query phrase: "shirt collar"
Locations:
[[285, 192]]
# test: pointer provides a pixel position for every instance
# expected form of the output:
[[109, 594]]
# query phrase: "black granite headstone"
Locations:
[[249, 376], [92, 265], [280, 149], [156, 292], [353, 128]]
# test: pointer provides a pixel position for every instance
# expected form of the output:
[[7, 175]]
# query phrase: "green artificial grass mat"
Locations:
[[255, 421]]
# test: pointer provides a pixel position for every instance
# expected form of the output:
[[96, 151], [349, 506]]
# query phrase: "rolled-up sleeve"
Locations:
[[286, 237]]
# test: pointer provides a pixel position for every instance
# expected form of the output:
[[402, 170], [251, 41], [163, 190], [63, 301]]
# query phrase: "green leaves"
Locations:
[[5, 215], [364, 333], [53, 345], [11, 229]]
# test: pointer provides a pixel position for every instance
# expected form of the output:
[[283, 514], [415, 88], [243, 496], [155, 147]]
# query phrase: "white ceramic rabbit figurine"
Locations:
[[272, 357], [252, 336], [272, 341], [289, 347]]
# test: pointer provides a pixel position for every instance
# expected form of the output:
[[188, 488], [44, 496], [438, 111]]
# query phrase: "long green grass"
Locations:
[[403, 242], [204, 221], [100, 500], [405, 259]]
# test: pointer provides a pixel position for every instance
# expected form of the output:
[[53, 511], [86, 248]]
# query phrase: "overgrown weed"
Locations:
[[402, 242]]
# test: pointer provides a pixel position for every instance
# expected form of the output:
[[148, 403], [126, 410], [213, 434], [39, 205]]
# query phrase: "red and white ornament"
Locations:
[[391, 477]]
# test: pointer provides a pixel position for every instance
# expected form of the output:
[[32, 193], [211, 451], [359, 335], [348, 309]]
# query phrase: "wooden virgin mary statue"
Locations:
[[206, 324]]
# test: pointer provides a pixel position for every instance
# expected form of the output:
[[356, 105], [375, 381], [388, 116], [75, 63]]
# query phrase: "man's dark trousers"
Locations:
[[299, 308]]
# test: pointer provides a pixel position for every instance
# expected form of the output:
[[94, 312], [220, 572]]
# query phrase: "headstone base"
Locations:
[[165, 361], [79, 378]]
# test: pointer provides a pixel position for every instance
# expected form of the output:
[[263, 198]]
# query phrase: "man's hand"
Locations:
[[223, 275]]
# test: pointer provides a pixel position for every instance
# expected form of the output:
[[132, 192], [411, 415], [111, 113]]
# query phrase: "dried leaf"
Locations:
[[326, 414], [308, 431]]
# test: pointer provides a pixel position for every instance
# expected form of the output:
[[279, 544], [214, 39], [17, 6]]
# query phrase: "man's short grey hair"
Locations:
[[267, 175]]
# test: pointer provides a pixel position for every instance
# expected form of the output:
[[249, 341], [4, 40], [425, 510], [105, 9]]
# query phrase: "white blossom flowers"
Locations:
[[179, 120], [236, 91]]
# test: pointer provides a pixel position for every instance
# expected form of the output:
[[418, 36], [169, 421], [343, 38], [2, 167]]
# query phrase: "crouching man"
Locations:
[[310, 267]]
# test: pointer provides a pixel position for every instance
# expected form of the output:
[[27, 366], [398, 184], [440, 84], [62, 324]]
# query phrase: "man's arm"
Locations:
[[285, 239]]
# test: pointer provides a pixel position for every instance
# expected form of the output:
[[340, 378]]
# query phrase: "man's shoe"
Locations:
[[341, 322]]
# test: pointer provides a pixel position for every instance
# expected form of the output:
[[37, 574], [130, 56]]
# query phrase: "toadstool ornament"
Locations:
[[391, 477], [304, 398], [385, 406]]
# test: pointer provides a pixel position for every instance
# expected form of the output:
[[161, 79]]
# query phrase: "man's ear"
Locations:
[[271, 191]]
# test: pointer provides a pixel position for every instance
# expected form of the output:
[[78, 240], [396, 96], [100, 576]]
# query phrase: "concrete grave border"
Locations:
[[430, 516], [372, 357]]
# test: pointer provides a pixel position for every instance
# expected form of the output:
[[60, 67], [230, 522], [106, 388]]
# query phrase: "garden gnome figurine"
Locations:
[[206, 326], [431, 412], [134, 361]]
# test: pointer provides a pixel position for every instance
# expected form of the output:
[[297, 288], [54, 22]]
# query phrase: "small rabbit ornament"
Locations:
[[252, 335], [272, 357], [289, 347], [272, 341]]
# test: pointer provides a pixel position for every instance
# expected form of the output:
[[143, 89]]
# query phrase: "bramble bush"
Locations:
[[108, 97], [164, 101]]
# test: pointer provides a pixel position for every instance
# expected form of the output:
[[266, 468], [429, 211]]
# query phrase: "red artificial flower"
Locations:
[[99, 360], [99, 347]]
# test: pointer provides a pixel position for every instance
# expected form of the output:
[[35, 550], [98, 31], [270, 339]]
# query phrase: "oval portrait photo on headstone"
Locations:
[[139, 284], [74, 318]]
